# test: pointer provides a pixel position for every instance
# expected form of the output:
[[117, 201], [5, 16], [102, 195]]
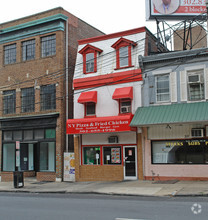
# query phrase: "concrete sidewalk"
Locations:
[[138, 188]]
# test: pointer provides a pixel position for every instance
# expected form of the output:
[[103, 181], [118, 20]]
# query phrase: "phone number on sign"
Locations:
[[194, 2]]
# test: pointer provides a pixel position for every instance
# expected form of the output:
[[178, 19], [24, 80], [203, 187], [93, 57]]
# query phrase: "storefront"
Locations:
[[175, 141], [29, 145], [105, 148]]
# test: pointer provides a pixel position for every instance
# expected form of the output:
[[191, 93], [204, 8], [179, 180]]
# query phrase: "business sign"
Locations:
[[175, 9], [99, 125]]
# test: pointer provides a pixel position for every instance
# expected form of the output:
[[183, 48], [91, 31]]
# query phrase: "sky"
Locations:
[[109, 16]]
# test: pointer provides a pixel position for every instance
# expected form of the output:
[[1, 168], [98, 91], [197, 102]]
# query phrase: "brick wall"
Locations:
[[46, 176], [39, 71]]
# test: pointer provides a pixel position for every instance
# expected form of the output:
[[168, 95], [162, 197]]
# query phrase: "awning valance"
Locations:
[[167, 114], [123, 93], [90, 96], [99, 125]]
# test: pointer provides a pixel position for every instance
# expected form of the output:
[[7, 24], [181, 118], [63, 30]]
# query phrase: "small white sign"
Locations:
[[108, 157], [97, 156]]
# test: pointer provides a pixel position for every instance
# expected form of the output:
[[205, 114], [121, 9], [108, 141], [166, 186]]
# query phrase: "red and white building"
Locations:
[[107, 91]]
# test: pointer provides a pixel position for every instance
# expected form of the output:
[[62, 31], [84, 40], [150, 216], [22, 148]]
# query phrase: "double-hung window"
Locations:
[[123, 49], [28, 99], [9, 102], [162, 88], [48, 97], [10, 54], [90, 54], [48, 45], [28, 50], [195, 85]]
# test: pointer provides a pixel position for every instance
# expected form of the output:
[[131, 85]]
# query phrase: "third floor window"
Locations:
[[28, 50], [10, 54], [48, 45]]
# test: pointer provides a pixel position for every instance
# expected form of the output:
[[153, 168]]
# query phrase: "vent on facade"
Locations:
[[125, 109], [197, 132], [113, 139], [194, 78]]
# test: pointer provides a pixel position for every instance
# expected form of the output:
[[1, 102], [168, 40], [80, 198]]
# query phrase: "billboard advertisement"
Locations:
[[175, 9]]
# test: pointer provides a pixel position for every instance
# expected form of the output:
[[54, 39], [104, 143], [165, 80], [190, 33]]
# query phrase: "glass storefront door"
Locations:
[[130, 162]]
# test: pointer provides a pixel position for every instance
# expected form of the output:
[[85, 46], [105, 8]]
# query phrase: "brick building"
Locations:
[[37, 62], [108, 86]]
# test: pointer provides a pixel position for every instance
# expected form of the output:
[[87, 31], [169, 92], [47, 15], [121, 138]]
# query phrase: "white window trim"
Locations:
[[166, 101], [196, 68]]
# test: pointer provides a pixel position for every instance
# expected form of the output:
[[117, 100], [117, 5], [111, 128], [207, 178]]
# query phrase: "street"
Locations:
[[22, 206]]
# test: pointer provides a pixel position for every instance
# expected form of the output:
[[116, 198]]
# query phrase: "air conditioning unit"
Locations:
[[125, 109], [113, 139], [194, 78], [197, 132]]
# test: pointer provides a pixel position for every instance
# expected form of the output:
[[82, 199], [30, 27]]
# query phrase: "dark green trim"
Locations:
[[174, 113]]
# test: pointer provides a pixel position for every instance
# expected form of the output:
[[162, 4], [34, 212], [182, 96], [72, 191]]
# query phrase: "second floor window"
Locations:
[[162, 88], [28, 50], [125, 106], [90, 108], [10, 54], [195, 85], [28, 99], [48, 97], [9, 102], [48, 45]]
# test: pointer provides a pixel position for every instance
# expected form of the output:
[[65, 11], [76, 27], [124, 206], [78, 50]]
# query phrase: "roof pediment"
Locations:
[[89, 48], [123, 42]]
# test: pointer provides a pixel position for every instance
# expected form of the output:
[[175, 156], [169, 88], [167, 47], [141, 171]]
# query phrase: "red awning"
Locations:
[[99, 125], [88, 97], [123, 93]]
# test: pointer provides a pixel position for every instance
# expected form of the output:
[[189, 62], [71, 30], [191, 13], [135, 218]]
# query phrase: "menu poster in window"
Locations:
[[115, 155]]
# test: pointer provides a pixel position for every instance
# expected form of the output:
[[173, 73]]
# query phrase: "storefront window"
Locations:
[[91, 155], [28, 134], [39, 134], [7, 135], [180, 152], [8, 157], [112, 155], [50, 133], [17, 135], [47, 156]]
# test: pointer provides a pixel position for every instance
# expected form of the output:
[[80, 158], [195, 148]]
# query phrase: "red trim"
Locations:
[[122, 42], [89, 49], [85, 97], [114, 35], [86, 50], [123, 93], [99, 124], [113, 78]]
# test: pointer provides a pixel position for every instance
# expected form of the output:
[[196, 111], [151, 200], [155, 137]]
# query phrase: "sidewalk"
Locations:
[[137, 187]]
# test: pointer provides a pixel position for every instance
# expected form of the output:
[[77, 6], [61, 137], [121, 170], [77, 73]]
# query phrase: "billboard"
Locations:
[[175, 9]]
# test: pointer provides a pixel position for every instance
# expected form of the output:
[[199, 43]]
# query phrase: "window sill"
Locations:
[[125, 67], [90, 116], [90, 72]]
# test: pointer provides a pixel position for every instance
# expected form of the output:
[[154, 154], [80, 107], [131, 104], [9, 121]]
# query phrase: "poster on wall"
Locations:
[[115, 155], [69, 167]]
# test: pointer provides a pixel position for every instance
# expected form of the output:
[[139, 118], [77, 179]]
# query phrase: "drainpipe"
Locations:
[[67, 82]]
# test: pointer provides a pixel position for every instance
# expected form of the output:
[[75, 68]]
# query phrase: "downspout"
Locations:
[[67, 82]]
